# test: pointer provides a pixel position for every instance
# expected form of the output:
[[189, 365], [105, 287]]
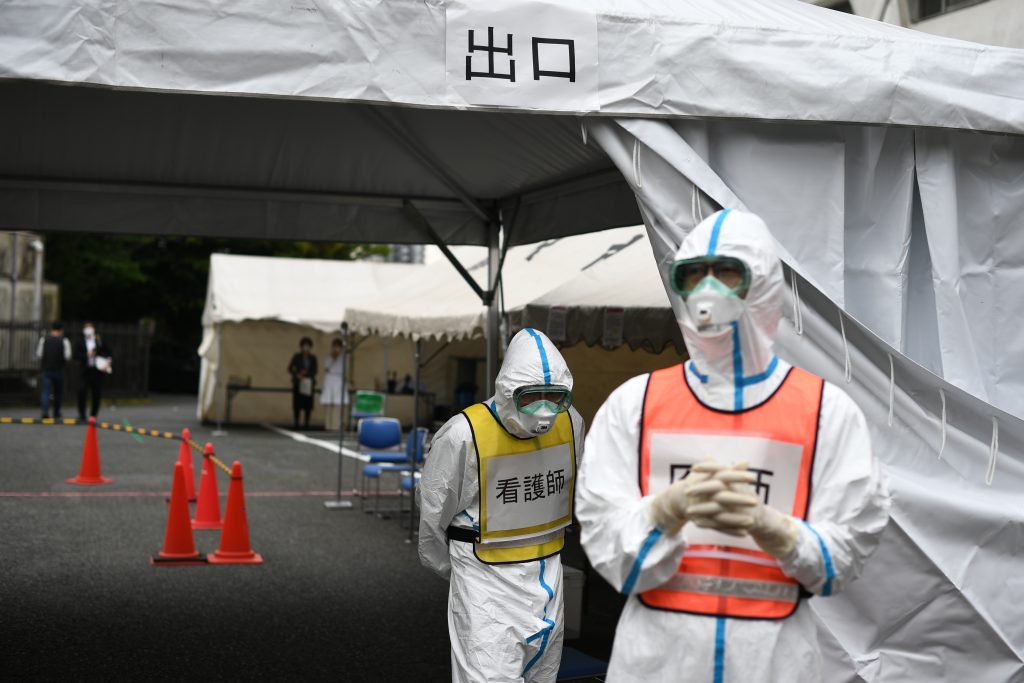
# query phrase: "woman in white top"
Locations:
[[331, 395]]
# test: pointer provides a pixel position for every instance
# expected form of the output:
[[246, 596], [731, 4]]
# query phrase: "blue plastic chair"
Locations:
[[380, 439], [407, 487], [413, 455]]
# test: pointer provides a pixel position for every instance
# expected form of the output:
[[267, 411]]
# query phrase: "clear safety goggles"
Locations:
[[531, 399], [686, 274]]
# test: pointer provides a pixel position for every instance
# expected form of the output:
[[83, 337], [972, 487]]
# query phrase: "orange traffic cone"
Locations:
[[185, 458], [208, 508], [234, 541], [179, 547], [89, 472]]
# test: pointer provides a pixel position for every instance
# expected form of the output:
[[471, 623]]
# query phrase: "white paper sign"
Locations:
[[614, 321], [533, 54], [528, 489], [556, 323], [776, 463]]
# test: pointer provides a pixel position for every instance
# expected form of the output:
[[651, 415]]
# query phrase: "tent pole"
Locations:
[[219, 431], [338, 503], [415, 438], [493, 270]]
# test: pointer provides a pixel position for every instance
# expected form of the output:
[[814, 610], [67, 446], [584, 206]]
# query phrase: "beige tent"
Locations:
[[257, 309]]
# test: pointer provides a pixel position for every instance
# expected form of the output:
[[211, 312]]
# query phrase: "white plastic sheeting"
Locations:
[[934, 603], [293, 145], [436, 303], [774, 60]]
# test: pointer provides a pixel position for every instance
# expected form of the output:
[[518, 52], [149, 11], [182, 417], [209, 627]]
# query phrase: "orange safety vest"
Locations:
[[722, 575]]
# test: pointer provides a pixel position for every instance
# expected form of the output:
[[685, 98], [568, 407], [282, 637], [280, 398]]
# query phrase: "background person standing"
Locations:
[[94, 361], [53, 352], [302, 368], [333, 394]]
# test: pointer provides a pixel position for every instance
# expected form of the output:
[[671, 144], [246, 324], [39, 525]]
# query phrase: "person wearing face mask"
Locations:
[[495, 497], [332, 394], [94, 362], [302, 369], [721, 493]]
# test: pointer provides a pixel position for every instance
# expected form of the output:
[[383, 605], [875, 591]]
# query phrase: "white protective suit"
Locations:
[[847, 513], [504, 620]]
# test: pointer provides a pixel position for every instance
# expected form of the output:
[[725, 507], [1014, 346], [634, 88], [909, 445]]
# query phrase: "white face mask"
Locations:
[[539, 422], [713, 305], [89, 332]]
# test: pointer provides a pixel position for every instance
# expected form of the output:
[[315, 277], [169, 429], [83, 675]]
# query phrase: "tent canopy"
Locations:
[[292, 146], [617, 299], [435, 302], [309, 292]]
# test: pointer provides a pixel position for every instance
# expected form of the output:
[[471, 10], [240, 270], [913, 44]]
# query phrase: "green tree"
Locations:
[[124, 278]]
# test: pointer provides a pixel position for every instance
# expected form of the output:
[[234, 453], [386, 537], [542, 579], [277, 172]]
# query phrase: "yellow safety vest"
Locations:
[[526, 488]]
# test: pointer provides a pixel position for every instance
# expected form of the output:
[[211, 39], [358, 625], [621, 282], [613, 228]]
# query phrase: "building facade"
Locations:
[[991, 22]]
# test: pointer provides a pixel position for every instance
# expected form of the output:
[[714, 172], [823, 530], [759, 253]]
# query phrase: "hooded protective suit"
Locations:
[[504, 620], [731, 369]]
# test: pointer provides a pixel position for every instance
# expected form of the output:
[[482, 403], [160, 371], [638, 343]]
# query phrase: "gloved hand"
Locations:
[[729, 509], [688, 498], [744, 512]]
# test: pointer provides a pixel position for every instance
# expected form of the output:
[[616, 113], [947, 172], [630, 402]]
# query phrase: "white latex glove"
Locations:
[[689, 498], [743, 512], [734, 503]]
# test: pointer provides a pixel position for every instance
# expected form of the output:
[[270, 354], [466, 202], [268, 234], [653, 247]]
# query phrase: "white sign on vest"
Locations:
[[528, 489], [776, 463], [532, 54]]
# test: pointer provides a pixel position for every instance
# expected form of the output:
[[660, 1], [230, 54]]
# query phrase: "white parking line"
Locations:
[[331, 446]]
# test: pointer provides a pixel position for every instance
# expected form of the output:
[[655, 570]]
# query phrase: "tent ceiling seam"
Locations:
[[214, 192], [424, 157]]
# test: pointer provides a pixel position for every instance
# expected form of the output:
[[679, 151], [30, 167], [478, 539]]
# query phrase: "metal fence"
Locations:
[[129, 346]]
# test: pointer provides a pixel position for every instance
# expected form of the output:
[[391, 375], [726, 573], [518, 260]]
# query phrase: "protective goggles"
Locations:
[[686, 274], [531, 399]]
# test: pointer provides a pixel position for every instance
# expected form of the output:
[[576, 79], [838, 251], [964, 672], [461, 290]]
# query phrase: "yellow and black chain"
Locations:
[[99, 425], [116, 428]]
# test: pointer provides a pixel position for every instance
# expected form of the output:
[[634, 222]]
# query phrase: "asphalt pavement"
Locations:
[[341, 594]]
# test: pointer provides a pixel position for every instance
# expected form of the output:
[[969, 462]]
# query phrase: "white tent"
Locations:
[[616, 299], [438, 303], [887, 163], [304, 294]]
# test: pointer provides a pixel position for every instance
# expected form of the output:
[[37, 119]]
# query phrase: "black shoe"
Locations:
[[58, 417], [81, 418]]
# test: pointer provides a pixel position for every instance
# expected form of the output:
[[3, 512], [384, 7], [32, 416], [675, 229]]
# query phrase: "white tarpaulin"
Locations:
[[106, 126], [896, 284], [436, 303]]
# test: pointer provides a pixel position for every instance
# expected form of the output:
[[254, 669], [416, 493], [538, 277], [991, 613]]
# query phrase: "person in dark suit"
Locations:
[[53, 352], [94, 362], [303, 370]]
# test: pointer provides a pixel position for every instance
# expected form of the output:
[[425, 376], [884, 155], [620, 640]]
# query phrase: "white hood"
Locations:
[[531, 358], [743, 236]]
